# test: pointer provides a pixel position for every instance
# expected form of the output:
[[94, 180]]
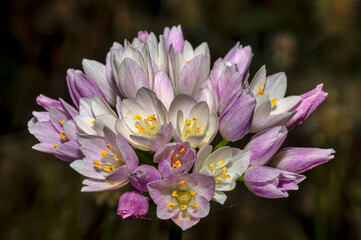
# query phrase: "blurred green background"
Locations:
[[312, 41]]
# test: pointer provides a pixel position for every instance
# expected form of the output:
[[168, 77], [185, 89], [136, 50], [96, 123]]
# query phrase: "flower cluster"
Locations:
[[147, 118]]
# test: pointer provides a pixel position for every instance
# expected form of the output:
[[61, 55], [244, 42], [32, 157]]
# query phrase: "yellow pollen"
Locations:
[[177, 164], [182, 183], [182, 150], [268, 95], [219, 179], [187, 61], [152, 127], [151, 118], [260, 91], [55, 145], [137, 117], [141, 129], [174, 194], [108, 168], [195, 119], [63, 136], [224, 175], [170, 205], [116, 158], [224, 169], [195, 205], [93, 122], [188, 122], [97, 163], [193, 194], [274, 101], [59, 99], [62, 122], [104, 153], [109, 146], [183, 207], [198, 129], [211, 165], [188, 130], [220, 162]]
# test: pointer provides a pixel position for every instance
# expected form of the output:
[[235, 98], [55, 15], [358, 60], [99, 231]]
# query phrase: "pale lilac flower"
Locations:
[[236, 119], [144, 121], [299, 160], [94, 115], [143, 36], [108, 161], [175, 158], [47, 102], [132, 205], [189, 69], [142, 175], [209, 95], [270, 182], [55, 129], [174, 37], [241, 56], [183, 198], [272, 109], [192, 121], [226, 165], [265, 144], [309, 102]]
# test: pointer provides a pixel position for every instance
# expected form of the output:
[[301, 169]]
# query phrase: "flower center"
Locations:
[[110, 160], [219, 171], [148, 126], [191, 128]]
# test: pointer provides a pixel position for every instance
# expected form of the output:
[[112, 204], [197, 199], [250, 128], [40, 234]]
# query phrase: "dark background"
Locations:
[[312, 41]]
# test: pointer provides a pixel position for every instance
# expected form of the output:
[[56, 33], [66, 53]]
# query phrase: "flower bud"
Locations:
[[133, 204], [142, 175], [47, 102]]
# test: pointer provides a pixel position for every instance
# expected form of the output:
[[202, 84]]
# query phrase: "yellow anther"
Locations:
[[198, 129], [268, 95], [59, 99], [174, 194], [214, 172], [224, 175], [193, 194], [108, 168], [151, 127], [274, 101], [93, 122], [224, 169], [177, 164], [109, 146], [183, 207], [116, 158], [182, 183], [260, 91], [62, 135], [55, 145], [170, 205], [104, 153], [219, 179], [137, 117], [62, 122], [188, 130], [228, 176], [195, 119], [220, 162], [188, 122], [151, 118], [211, 165], [182, 150], [187, 61], [195, 205], [97, 163]]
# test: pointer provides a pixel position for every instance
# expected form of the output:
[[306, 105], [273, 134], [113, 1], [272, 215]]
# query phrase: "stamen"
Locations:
[[116, 158], [182, 150], [174, 194], [268, 95], [188, 131], [224, 169], [62, 122], [220, 162], [62, 135], [182, 183], [195, 205], [151, 127], [274, 101], [211, 165], [195, 119], [188, 122], [219, 179], [177, 164], [104, 153], [137, 117], [260, 91], [108, 168], [151, 118], [198, 129], [97, 163], [93, 122], [109, 146], [170, 205], [183, 207], [193, 194], [55, 145]]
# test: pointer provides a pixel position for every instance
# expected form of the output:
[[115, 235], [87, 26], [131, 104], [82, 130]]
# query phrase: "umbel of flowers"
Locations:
[[147, 117]]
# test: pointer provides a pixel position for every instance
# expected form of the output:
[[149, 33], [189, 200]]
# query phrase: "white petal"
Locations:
[[99, 107], [84, 123], [263, 108], [219, 197], [181, 102], [202, 155], [276, 86], [285, 104], [259, 80]]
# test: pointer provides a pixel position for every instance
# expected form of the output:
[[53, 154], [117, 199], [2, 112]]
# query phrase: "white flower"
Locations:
[[272, 108], [225, 164], [192, 121]]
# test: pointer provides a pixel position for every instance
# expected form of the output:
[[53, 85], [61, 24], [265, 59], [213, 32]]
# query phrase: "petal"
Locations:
[[285, 104], [272, 121], [276, 86]]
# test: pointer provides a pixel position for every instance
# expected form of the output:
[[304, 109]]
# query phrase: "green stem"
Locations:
[[221, 144]]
